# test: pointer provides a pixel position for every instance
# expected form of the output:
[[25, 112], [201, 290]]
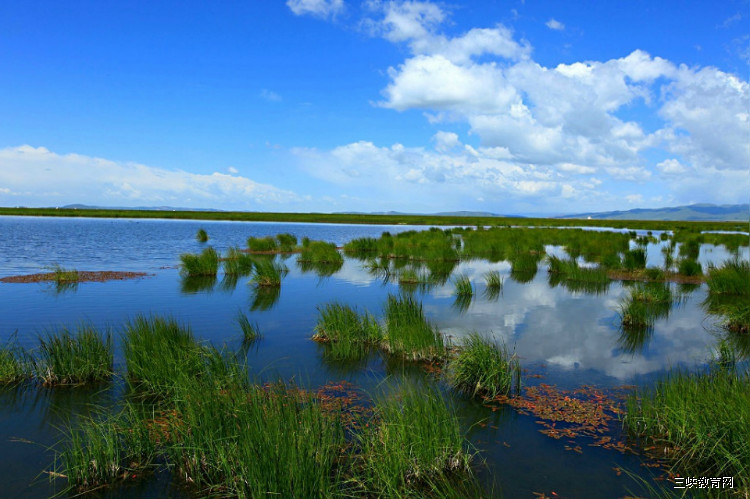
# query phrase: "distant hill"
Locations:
[[696, 212]]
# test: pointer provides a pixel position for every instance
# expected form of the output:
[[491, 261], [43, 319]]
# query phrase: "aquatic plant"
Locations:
[[700, 420], [408, 333], [205, 264], [201, 236], [362, 246], [320, 252], [689, 267], [250, 332], [287, 242], [732, 278], [690, 248], [15, 363], [268, 273], [349, 333], [262, 244], [493, 279], [264, 297], [483, 368], [257, 442], [645, 304], [66, 357], [463, 286], [634, 259], [413, 446], [237, 262], [62, 275]]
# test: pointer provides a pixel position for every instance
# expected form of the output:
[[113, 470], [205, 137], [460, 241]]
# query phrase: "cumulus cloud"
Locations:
[[270, 95], [555, 25], [316, 8], [34, 173]]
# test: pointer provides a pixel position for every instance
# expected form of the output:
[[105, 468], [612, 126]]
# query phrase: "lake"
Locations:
[[564, 337]]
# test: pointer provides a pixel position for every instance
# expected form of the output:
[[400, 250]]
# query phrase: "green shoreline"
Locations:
[[346, 218]]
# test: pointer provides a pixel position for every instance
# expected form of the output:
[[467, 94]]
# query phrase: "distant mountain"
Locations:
[[145, 208], [439, 214], [696, 212]]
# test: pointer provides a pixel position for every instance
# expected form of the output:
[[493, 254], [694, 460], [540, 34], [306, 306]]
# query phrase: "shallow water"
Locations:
[[566, 338]]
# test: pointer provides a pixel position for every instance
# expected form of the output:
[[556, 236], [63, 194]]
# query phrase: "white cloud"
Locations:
[[270, 95], [671, 166], [316, 8], [445, 141], [40, 176], [555, 25], [232, 170]]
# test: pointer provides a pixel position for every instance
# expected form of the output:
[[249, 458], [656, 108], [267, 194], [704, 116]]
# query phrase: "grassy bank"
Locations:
[[372, 219]]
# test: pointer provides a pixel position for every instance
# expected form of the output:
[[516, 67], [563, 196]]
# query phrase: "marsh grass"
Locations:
[[204, 264], [462, 286], [408, 333], [493, 285], [71, 358], [732, 278], [569, 270], [287, 243], [413, 446], [689, 267], [349, 333], [201, 236], [483, 368], [634, 259], [158, 353], [700, 419], [250, 331], [268, 273], [320, 252], [275, 441], [16, 364], [63, 276], [262, 244], [646, 303], [237, 262], [103, 450]]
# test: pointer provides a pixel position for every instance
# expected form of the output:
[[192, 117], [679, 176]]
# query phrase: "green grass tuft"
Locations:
[[463, 286], [67, 358], [349, 333], [262, 244], [205, 264], [732, 278], [483, 368], [250, 332], [201, 236], [408, 333], [16, 364], [237, 262], [268, 273]]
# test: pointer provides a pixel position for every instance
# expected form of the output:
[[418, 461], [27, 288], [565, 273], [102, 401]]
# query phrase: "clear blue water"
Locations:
[[570, 338]]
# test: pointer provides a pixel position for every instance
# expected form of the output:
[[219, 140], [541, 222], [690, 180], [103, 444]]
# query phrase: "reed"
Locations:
[[689, 267], [362, 246], [70, 358], [250, 332], [493, 280], [408, 333], [482, 368], [634, 259], [268, 273], [349, 333], [700, 420], [646, 303], [732, 278], [201, 236], [413, 446], [262, 244], [205, 264], [321, 252]]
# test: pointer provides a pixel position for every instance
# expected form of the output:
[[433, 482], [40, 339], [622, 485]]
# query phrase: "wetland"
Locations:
[[356, 360]]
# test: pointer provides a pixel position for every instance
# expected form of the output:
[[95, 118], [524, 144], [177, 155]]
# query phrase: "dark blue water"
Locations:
[[571, 338]]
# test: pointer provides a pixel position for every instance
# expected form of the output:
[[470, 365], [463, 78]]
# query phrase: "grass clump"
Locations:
[[463, 286], [159, 352], [320, 252], [732, 278], [349, 333], [689, 267], [237, 262], [634, 259], [493, 280], [702, 420], [62, 276], [201, 236], [262, 244], [408, 333], [260, 442], [205, 264], [250, 332], [287, 242], [16, 364], [67, 358], [646, 303], [268, 273], [413, 446], [483, 368]]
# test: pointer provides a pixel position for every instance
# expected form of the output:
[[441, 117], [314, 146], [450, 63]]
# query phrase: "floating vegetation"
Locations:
[[349, 333], [700, 422], [204, 264], [408, 333], [201, 236], [413, 447], [71, 358], [82, 276], [482, 368]]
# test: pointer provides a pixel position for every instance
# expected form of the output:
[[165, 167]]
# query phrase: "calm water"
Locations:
[[569, 338]]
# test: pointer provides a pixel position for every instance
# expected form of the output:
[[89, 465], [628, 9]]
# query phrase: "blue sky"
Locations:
[[517, 107]]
